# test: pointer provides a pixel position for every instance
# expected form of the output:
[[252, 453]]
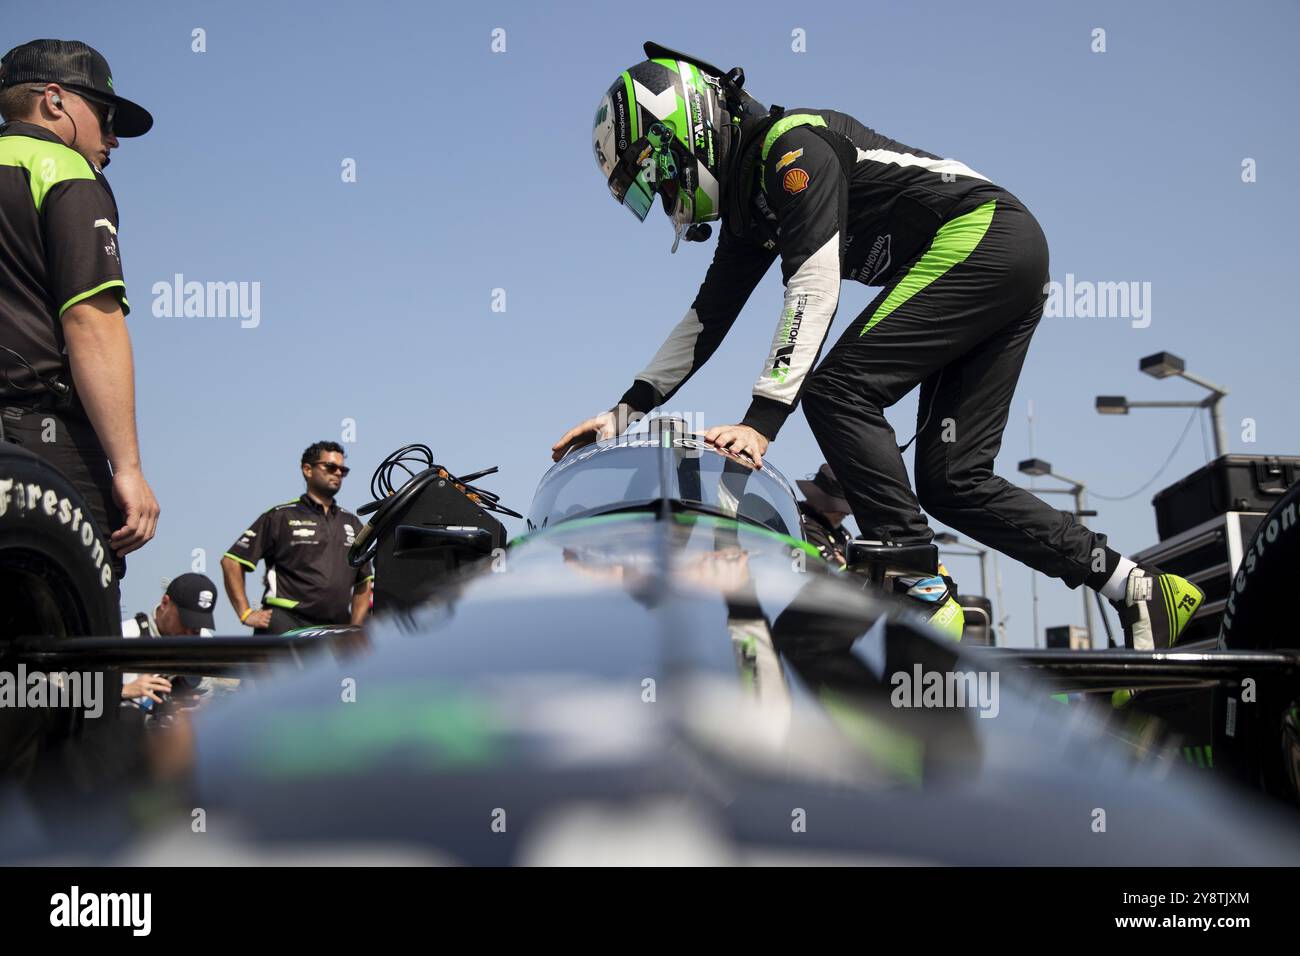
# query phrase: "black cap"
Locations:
[[824, 492], [80, 68], [194, 596]]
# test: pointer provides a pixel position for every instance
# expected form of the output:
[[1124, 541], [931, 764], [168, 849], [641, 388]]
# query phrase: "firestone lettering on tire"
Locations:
[[30, 497]]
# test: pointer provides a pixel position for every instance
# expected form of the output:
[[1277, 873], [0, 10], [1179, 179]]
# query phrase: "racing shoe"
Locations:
[[937, 595], [913, 572], [1156, 608]]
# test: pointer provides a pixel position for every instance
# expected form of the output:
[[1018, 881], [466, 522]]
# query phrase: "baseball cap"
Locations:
[[80, 68], [194, 596], [824, 492]]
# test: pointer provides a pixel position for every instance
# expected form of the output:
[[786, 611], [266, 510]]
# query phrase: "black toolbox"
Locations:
[[1229, 483]]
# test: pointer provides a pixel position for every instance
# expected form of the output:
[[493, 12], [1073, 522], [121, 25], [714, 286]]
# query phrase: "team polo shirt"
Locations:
[[305, 549], [58, 246]]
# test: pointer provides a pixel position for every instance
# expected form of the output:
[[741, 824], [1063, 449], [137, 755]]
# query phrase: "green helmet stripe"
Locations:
[[703, 204], [678, 119], [696, 80], [703, 201], [631, 107]]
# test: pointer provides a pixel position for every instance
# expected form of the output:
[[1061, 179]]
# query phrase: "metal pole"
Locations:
[[1077, 489], [997, 583], [1220, 436], [1033, 593], [1033, 575], [1217, 394], [1087, 605]]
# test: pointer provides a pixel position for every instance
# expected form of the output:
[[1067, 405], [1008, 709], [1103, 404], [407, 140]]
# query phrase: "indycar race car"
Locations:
[[659, 669]]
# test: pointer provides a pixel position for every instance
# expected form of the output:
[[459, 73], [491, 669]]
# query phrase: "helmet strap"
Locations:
[[738, 175]]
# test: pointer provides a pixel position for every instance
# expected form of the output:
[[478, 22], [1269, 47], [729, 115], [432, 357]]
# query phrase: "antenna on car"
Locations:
[[667, 427]]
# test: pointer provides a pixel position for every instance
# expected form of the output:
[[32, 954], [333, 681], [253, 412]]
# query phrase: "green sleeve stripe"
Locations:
[[780, 128], [82, 296], [235, 557]]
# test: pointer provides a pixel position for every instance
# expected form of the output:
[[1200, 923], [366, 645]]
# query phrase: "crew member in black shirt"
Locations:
[[67, 382], [824, 509], [304, 543]]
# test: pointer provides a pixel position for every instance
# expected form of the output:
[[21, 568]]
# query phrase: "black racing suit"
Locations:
[[964, 267]]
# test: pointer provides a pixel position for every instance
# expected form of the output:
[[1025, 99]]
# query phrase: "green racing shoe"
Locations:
[[1156, 608], [937, 596]]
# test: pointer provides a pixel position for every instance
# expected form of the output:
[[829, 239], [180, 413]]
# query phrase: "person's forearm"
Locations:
[[360, 605], [233, 575], [99, 351]]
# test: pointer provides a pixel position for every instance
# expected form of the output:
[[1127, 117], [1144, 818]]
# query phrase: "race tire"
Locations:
[[56, 573], [1257, 615], [56, 581], [1259, 731]]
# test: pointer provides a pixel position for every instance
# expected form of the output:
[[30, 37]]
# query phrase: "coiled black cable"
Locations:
[[391, 501]]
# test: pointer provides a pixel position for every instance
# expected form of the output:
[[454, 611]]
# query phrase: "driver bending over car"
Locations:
[[963, 265]]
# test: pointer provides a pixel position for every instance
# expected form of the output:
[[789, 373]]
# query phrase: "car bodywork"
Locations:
[[658, 670]]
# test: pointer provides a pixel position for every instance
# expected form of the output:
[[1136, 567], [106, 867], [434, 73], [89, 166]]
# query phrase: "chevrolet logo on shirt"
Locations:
[[110, 247], [788, 158]]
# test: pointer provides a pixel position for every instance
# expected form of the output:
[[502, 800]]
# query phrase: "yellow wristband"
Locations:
[[244, 617]]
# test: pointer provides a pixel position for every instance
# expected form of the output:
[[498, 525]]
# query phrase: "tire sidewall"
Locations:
[[1264, 577], [1255, 618], [41, 513]]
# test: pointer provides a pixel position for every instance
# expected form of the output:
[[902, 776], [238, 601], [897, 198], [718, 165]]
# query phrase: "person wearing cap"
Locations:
[[824, 509], [304, 544], [185, 609], [67, 382]]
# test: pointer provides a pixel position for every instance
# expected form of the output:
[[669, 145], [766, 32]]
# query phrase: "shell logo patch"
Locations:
[[788, 158], [795, 181]]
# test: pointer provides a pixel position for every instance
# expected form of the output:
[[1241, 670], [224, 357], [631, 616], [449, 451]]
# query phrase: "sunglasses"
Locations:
[[107, 112], [334, 469]]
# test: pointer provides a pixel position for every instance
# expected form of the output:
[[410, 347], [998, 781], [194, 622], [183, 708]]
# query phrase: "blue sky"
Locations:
[[474, 172]]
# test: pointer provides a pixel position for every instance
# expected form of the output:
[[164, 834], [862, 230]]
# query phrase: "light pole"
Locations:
[[1166, 365], [953, 543], [1037, 468]]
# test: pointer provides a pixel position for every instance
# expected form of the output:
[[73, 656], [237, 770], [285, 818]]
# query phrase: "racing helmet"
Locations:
[[658, 131]]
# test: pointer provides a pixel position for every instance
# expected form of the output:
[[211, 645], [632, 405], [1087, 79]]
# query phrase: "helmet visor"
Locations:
[[639, 195], [645, 167]]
